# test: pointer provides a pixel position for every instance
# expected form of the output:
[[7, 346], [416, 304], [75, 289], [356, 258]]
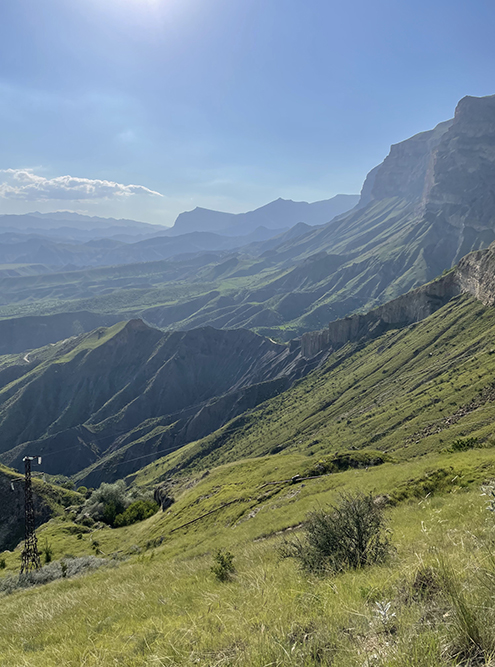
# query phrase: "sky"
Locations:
[[142, 109]]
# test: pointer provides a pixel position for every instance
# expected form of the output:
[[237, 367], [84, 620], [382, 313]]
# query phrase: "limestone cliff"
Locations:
[[449, 173], [474, 275], [404, 171]]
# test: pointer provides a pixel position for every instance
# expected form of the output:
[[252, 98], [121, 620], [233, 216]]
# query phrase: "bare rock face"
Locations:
[[449, 175], [403, 311], [462, 176], [474, 275], [404, 171]]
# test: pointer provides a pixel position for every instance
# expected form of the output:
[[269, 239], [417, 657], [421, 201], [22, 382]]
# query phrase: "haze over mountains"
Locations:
[[64, 239], [413, 221], [278, 214]]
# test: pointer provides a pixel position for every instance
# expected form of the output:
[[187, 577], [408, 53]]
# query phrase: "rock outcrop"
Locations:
[[474, 275], [404, 172]]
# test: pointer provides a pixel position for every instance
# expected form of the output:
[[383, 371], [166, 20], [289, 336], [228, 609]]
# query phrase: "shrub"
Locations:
[[463, 444], [71, 567], [137, 511], [223, 567], [350, 535], [3, 563], [107, 502], [346, 461], [47, 551]]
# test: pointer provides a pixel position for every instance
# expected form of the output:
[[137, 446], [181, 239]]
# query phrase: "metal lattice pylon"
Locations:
[[30, 557]]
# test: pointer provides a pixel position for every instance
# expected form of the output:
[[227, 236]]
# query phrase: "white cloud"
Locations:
[[25, 185]]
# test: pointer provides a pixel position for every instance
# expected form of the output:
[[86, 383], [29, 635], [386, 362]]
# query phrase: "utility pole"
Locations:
[[30, 557]]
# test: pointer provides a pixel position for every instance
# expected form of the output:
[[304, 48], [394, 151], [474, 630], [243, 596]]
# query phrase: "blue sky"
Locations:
[[146, 108]]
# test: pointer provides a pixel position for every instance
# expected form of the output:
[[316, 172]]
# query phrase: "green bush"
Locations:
[[346, 461], [47, 552], [223, 566], [350, 535], [463, 444], [108, 501], [137, 511], [3, 563]]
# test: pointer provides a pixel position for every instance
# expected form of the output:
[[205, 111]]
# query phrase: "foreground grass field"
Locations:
[[159, 604]]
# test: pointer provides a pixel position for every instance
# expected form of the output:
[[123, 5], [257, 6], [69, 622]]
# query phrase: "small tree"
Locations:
[[350, 535], [107, 502]]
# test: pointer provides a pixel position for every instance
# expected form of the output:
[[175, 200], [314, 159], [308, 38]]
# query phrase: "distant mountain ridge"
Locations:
[[39, 221], [430, 202], [277, 214]]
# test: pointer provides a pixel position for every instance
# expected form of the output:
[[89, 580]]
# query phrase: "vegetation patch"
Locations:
[[139, 510], [348, 535], [223, 566], [66, 568], [346, 461]]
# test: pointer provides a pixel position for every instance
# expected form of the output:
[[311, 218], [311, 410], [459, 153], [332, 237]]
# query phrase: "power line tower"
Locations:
[[30, 557]]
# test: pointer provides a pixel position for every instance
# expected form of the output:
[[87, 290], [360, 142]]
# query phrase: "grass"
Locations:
[[410, 392], [166, 608], [421, 400]]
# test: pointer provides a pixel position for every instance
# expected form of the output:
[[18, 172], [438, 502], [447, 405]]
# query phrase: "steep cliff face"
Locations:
[[449, 172], [403, 311], [404, 171], [459, 196], [474, 275]]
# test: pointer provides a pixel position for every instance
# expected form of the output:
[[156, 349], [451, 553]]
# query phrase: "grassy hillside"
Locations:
[[406, 417], [155, 600], [409, 392]]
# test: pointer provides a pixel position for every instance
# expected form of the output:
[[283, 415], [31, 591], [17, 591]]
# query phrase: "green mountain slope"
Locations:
[[406, 416], [409, 392], [115, 397]]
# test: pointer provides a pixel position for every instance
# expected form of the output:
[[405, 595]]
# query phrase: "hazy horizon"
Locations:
[[143, 110]]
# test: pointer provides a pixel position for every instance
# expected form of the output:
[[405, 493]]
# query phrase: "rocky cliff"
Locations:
[[474, 275], [449, 172], [404, 171]]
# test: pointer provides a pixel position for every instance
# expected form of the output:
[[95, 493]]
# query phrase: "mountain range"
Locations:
[[427, 205], [103, 402], [131, 390], [281, 213]]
